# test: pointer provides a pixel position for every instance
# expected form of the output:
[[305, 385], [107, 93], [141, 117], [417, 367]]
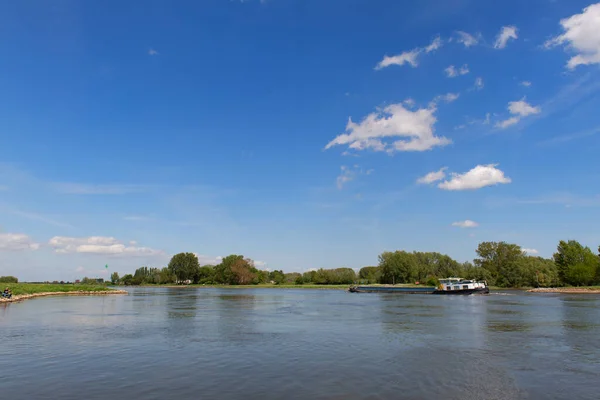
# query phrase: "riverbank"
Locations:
[[23, 291], [262, 286], [570, 290]]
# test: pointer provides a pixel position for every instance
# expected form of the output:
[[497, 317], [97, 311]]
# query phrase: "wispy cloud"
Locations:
[[433, 176], [479, 83], [409, 57], [453, 72], [348, 174], [564, 199], [35, 217], [152, 52], [519, 109], [466, 224], [506, 33], [570, 136], [467, 39], [525, 83], [99, 245], [99, 189]]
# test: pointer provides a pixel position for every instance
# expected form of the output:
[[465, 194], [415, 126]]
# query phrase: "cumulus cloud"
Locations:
[[582, 36], [466, 224], [467, 39], [506, 33], [453, 72], [409, 102], [17, 241], [409, 57], [392, 121], [433, 176], [519, 109], [531, 251], [99, 245], [477, 178]]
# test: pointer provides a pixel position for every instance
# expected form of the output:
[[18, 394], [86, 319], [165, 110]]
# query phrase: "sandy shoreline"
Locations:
[[566, 290], [21, 297]]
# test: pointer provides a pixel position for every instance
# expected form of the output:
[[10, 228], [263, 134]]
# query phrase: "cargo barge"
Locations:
[[449, 286]]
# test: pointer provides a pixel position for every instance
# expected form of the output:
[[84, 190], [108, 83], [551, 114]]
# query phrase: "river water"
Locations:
[[163, 343]]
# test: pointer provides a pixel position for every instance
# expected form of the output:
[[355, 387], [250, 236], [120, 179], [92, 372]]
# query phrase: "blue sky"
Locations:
[[131, 132]]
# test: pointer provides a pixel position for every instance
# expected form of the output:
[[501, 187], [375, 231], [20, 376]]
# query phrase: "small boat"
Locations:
[[461, 286]]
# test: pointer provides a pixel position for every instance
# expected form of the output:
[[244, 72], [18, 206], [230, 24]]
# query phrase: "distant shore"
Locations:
[[570, 290]]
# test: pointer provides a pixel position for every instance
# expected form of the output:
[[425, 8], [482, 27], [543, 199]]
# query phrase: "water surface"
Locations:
[[162, 343]]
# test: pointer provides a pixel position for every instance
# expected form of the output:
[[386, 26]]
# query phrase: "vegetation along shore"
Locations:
[[501, 264], [23, 291]]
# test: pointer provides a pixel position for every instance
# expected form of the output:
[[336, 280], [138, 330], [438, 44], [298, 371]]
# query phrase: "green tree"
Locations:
[[277, 276], [243, 272], [8, 279], [503, 261], [114, 278], [539, 272], [292, 277], [205, 275], [166, 276], [127, 280], [370, 274], [575, 263], [398, 267], [184, 266], [222, 272]]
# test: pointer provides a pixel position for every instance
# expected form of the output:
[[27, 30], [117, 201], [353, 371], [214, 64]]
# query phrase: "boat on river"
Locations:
[[461, 286], [447, 286]]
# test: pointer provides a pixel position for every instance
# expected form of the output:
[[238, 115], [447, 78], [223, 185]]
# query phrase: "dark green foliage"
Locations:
[[432, 281], [206, 275], [114, 278], [8, 279], [277, 276], [184, 266], [398, 267], [577, 265], [127, 280], [370, 274], [503, 261], [292, 277]]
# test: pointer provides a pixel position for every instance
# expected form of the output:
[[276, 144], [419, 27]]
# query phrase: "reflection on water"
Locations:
[[189, 343]]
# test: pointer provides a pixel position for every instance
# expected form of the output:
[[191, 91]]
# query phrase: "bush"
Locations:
[[432, 281], [8, 279]]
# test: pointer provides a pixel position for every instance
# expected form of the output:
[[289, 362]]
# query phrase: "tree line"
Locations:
[[499, 263]]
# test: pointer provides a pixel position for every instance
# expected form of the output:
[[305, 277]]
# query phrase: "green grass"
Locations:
[[31, 288]]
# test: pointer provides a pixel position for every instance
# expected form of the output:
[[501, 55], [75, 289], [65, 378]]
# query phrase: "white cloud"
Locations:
[[479, 83], [508, 122], [531, 251], [392, 121], [259, 264], [409, 102], [409, 57], [208, 260], [453, 72], [433, 176], [467, 39], [348, 174], [466, 224], [519, 109], [447, 98], [17, 241], [152, 52], [506, 33], [98, 245], [582, 36], [83, 188], [477, 178], [526, 83]]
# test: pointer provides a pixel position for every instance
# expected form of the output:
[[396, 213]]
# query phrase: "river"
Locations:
[[163, 343]]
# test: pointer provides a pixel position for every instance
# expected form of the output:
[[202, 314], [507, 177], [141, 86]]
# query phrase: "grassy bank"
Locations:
[[260, 286], [33, 288]]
